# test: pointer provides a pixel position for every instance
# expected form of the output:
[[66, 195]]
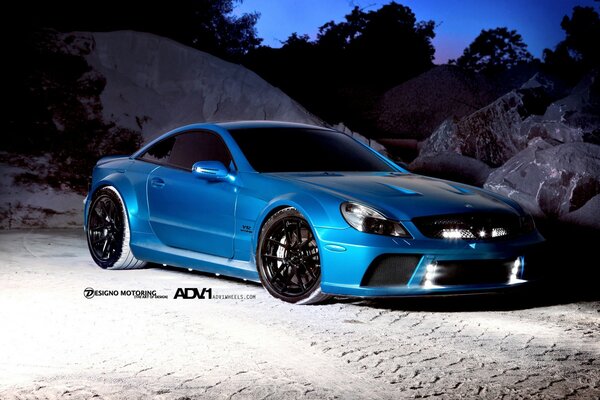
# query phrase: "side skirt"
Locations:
[[153, 251]]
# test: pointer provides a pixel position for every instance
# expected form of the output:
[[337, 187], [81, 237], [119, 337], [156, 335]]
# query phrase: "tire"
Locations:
[[288, 259], [107, 232]]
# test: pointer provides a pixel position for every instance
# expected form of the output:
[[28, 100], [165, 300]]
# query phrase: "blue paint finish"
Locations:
[[181, 219], [335, 247]]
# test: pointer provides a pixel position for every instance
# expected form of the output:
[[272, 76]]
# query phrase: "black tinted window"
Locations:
[[305, 150], [160, 152], [198, 146]]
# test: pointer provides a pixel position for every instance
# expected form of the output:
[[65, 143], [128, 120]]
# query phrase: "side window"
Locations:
[[192, 147], [160, 152]]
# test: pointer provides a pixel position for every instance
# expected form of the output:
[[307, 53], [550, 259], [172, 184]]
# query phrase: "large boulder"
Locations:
[[500, 130], [551, 181], [581, 108], [536, 126], [154, 84], [492, 134], [452, 166], [416, 107]]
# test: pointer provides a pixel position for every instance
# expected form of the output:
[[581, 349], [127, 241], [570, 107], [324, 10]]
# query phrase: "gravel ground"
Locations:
[[55, 343]]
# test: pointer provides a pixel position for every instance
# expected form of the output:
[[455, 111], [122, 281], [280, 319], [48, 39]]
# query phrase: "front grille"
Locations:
[[473, 226], [472, 272], [391, 270]]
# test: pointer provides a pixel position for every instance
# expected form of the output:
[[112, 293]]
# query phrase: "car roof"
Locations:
[[264, 124]]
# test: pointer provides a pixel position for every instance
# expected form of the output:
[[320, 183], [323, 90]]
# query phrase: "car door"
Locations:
[[189, 212]]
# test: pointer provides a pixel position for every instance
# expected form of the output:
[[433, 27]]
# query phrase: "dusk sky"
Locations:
[[459, 22]]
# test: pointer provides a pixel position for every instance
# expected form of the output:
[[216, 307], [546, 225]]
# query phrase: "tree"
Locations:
[[495, 50], [578, 52], [351, 63], [385, 46]]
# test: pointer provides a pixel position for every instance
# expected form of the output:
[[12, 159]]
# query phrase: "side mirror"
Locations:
[[210, 170]]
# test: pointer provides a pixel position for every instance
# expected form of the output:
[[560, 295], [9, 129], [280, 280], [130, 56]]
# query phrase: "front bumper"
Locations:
[[347, 256]]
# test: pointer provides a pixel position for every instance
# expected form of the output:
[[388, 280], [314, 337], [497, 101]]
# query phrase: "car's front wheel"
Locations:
[[288, 258], [108, 232]]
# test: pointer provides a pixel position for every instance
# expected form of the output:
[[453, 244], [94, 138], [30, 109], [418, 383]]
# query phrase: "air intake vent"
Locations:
[[472, 272], [391, 270]]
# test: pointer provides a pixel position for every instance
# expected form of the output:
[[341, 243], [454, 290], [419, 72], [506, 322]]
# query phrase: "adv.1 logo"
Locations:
[[193, 293]]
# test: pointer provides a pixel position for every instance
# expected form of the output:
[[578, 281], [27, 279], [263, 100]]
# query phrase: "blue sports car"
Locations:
[[308, 211]]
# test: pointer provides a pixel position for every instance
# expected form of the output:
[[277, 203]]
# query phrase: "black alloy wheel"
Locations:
[[105, 230], [288, 258]]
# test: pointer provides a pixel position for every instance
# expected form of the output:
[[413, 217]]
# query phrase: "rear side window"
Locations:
[[185, 149]]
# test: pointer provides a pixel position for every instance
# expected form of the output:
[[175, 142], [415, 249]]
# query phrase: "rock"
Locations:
[[536, 126], [550, 85], [25, 204], [581, 108], [491, 135], [416, 107], [548, 180], [154, 84], [588, 215], [500, 130], [453, 167]]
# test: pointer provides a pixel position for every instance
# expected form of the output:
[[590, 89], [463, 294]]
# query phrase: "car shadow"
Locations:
[[540, 295]]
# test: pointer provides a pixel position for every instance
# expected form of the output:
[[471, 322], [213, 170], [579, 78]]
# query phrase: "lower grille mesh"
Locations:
[[472, 272], [391, 270]]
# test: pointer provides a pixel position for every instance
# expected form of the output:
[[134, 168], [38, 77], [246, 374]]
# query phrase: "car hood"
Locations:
[[404, 196]]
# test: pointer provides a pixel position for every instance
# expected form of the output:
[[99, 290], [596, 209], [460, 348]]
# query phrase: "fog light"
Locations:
[[514, 272], [429, 275], [189, 269]]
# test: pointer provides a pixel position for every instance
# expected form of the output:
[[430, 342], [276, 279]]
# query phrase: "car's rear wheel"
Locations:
[[288, 259], [108, 234]]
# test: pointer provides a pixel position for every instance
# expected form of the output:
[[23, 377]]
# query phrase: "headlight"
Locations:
[[365, 219]]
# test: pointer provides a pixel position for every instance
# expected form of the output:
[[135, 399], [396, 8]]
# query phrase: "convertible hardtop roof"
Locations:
[[265, 124]]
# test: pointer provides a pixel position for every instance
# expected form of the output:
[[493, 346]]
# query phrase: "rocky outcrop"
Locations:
[[500, 130], [491, 135], [154, 84], [551, 181], [415, 108], [581, 108]]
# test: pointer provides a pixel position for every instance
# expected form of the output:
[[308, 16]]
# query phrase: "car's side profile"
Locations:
[[307, 211]]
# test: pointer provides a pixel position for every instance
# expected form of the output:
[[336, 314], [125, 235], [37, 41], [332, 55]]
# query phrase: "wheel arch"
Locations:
[[310, 208], [124, 189]]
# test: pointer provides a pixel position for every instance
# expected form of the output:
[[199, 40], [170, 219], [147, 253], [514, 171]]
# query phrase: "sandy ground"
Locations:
[[55, 343]]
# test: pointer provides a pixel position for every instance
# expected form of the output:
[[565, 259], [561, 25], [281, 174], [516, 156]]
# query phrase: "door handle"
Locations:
[[157, 183]]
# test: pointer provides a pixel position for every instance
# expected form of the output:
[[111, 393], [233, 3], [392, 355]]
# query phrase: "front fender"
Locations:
[[317, 214]]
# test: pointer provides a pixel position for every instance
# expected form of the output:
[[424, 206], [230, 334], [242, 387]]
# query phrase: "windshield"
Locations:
[[305, 150]]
